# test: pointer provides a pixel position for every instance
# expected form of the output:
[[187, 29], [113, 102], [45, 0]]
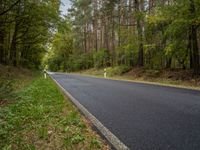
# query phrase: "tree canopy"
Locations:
[[153, 34], [26, 28]]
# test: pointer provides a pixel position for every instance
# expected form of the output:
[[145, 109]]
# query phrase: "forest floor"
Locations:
[[36, 115], [175, 78]]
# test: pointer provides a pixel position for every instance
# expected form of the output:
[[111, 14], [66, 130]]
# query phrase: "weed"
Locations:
[[43, 133], [77, 139], [95, 143]]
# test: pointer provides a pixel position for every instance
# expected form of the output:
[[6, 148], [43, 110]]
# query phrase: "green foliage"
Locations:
[[101, 58], [40, 113], [77, 139], [25, 31], [42, 133], [153, 35], [95, 143], [126, 54], [118, 70], [61, 49]]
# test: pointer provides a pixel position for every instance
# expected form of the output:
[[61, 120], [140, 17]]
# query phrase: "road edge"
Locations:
[[116, 143], [140, 82]]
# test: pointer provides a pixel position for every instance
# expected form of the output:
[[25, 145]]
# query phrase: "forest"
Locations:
[[26, 28], [151, 34], [149, 51], [34, 114]]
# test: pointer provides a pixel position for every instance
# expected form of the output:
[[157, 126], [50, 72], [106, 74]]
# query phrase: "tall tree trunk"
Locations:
[[140, 35], [1, 47], [13, 56], [119, 24], [113, 41], [195, 50], [85, 38], [189, 48], [194, 40], [191, 59], [169, 63], [95, 24], [106, 36]]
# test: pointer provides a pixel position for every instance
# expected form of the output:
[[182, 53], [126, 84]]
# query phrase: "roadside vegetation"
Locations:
[[34, 114], [12, 80], [154, 36], [157, 37], [143, 40], [176, 78], [26, 28]]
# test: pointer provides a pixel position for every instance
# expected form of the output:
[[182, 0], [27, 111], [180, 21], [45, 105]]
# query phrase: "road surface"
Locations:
[[142, 116]]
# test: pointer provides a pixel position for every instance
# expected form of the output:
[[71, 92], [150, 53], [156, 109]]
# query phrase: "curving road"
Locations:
[[142, 116]]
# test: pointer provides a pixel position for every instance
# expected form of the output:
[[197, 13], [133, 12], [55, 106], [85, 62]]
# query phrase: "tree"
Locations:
[[153, 34], [62, 47], [26, 26]]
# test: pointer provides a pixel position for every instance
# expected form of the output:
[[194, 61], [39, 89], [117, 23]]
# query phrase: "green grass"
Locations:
[[13, 79], [42, 118]]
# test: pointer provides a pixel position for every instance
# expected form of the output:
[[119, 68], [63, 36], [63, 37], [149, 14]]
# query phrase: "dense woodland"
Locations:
[[152, 34], [26, 28]]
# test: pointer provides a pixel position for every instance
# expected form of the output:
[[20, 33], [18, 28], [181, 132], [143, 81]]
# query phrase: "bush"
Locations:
[[118, 70], [101, 58], [79, 62]]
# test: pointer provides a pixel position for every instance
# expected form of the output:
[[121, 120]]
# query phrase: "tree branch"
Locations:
[[4, 12]]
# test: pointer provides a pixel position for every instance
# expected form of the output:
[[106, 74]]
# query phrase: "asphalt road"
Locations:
[[142, 116]]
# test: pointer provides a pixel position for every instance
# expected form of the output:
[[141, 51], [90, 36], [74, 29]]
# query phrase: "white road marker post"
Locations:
[[45, 73], [105, 73]]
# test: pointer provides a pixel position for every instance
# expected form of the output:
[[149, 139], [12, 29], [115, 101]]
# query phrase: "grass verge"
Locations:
[[42, 118], [174, 78], [12, 80]]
